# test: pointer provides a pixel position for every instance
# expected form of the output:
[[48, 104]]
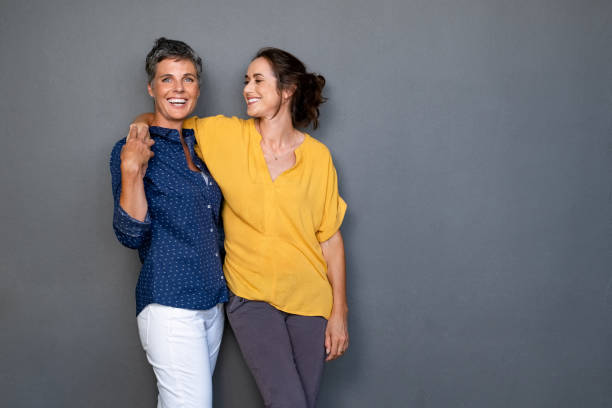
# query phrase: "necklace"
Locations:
[[269, 152]]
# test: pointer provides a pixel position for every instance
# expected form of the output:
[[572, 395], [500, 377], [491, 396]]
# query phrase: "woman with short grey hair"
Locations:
[[167, 205]]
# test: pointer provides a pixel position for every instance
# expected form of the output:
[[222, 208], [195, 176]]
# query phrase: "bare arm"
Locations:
[[336, 333], [135, 156], [144, 119]]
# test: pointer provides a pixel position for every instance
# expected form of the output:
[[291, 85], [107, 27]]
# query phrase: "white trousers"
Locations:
[[182, 347]]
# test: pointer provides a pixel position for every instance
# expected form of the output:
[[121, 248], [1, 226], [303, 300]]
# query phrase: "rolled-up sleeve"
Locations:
[[334, 207], [129, 231]]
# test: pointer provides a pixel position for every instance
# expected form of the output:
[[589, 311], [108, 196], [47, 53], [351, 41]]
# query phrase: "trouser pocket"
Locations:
[[143, 320]]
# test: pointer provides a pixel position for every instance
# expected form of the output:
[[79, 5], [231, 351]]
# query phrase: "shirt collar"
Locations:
[[172, 134]]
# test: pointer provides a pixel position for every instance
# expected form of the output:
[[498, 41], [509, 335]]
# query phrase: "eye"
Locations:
[[258, 81], [167, 79], [189, 79]]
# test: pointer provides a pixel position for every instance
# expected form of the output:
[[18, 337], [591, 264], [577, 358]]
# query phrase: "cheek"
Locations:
[[160, 89], [273, 93], [260, 89]]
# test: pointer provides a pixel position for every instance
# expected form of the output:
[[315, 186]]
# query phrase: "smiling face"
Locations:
[[261, 93], [175, 90]]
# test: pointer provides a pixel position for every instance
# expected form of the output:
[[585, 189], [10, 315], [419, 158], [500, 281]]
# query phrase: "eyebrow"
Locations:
[[255, 74], [189, 74]]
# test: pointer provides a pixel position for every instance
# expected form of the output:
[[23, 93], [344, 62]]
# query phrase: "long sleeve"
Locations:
[[129, 231]]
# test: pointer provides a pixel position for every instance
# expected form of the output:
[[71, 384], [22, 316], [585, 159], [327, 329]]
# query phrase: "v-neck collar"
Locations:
[[267, 177], [172, 134]]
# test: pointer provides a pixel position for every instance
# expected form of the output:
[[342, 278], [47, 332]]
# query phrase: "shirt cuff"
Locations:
[[129, 225], [330, 230]]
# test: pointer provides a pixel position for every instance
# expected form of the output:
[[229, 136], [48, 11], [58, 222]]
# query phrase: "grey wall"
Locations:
[[472, 139]]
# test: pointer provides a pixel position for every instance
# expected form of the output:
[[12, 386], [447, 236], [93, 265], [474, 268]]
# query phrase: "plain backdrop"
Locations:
[[473, 145]]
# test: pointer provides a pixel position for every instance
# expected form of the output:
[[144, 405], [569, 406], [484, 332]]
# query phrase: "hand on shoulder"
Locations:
[[136, 152]]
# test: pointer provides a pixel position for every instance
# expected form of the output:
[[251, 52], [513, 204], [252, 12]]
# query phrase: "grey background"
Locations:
[[472, 140]]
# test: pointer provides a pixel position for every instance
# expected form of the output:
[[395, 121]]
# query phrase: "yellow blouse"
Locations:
[[273, 228]]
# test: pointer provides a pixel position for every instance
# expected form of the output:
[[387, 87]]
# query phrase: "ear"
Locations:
[[150, 90], [288, 92]]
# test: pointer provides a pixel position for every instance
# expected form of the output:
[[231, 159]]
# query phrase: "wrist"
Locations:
[[340, 309], [130, 169]]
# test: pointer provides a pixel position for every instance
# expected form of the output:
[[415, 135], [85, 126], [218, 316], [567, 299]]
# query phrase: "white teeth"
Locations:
[[176, 100], [252, 100]]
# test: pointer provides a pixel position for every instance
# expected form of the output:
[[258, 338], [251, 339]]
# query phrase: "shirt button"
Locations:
[[222, 277], [217, 254], [211, 230], [208, 206]]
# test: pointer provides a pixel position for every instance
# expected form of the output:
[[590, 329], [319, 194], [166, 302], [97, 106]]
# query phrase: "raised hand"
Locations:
[[136, 152]]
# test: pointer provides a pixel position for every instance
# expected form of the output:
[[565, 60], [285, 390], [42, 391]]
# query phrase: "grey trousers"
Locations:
[[285, 352]]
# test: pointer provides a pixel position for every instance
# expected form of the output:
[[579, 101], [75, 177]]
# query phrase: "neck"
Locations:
[[277, 131], [160, 121]]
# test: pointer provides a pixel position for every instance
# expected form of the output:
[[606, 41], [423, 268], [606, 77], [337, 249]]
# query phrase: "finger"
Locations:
[[342, 344], [341, 351], [149, 141], [132, 133], [340, 348], [143, 132], [335, 349]]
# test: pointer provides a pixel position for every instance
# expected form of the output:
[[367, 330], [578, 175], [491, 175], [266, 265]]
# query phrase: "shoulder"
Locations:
[[316, 149], [218, 122]]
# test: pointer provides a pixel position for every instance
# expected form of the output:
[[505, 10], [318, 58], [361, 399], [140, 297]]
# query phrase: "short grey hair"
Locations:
[[166, 48]]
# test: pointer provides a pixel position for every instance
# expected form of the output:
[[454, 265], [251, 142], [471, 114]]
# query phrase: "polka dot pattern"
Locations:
[[180, 243]]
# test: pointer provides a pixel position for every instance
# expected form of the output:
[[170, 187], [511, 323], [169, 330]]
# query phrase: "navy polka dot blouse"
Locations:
[[180, 243]]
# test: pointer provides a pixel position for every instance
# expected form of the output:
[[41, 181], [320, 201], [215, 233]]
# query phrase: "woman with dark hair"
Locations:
[[167, 205], [282, 213]]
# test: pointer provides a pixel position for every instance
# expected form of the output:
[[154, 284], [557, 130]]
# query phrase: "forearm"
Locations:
[[145, 118], [132, 198], [336, 332], [333, 252]]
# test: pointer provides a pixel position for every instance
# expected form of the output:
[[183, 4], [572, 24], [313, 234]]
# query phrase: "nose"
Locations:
[[179, 86], [248, 87]]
